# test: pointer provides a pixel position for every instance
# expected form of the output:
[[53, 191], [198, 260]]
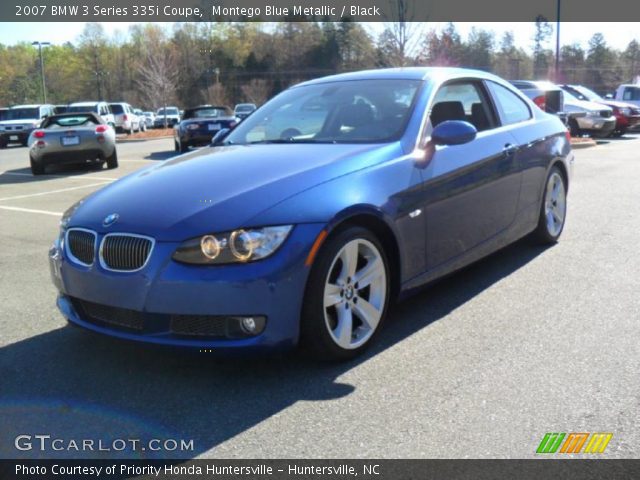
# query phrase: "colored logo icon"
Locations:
[[574, 442]]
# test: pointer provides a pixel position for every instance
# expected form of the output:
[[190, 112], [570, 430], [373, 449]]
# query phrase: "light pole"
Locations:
[[557, 79], [44, 89]]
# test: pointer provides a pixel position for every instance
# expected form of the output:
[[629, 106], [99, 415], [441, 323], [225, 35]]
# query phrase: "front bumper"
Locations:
[[272, 288], [196, 138], [600, 126], [15, 136]]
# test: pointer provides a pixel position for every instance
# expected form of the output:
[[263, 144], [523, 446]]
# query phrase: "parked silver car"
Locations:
[[72, 138], [149, 117], [597, 119]]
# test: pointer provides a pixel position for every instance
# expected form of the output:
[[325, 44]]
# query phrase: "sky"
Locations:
[[617, 34]]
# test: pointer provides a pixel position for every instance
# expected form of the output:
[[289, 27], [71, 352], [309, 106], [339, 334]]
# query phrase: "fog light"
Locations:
[[240, 327], [249, 324]]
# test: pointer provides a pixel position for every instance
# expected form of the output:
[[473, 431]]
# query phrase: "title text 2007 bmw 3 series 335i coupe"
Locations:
[[303, 223]]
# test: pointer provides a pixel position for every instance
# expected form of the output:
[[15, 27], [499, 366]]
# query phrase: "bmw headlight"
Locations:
[[239, 246]]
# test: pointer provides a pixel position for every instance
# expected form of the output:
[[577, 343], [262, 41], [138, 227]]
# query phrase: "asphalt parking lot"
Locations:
[[482, 364]]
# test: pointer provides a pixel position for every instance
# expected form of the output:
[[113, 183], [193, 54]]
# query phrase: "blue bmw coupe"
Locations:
[[302, 224]]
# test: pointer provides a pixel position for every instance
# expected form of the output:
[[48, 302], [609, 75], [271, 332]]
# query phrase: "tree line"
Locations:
[[227, 63]]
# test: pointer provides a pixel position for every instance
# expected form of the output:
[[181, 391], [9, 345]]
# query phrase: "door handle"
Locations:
[[509, 149]]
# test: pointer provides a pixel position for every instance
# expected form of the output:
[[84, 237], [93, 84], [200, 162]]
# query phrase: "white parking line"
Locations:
[[30, 210], [80, 177], [17, 197]]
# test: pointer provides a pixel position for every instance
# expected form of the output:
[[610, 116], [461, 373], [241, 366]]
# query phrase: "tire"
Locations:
[[112, 161], [3, 144], [176, 146], [553, 209], [184, 148], [574, 129], [36, 167], [342, 330]]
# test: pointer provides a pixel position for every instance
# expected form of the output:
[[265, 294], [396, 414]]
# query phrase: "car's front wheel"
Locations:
[[346, 297], [553, 210]]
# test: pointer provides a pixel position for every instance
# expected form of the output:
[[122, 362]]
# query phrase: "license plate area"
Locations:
[[70, 140], [13, 137], [214, 126]]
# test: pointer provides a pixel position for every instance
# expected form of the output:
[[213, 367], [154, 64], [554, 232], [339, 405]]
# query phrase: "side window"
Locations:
[[462, 101], [511, 107]]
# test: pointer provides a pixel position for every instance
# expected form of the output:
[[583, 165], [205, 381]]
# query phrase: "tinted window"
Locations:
[[631, 93], [23, 113], [512, 108], [4, 114], [56, 121], [364, 111], [83, 108], [462, 101], [117, 108], [209, 112]]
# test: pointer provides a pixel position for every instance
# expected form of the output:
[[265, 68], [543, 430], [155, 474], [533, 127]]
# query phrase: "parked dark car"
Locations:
[[199, 125], [627, 114], [303, 234], [243, 110]]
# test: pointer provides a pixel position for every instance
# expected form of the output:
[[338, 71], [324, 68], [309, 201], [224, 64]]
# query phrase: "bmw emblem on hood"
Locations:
[[110, 219]]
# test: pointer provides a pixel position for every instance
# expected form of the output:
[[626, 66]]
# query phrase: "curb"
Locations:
[[132, 140], [583, 144]]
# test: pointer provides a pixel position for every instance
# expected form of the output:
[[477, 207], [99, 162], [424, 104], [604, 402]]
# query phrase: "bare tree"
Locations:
[[257, 91], [157, 76], [216, 95], [401, 35]]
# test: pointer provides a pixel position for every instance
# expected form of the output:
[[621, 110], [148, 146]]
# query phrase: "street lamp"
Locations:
[[44, 89], [557, 79]]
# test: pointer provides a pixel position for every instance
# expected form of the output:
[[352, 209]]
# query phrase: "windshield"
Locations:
[[209, 112], [23, 113], [245, 108], [69, 121], [364, 111], [4, 114], [584, 93], [82, 108], [168, 111]]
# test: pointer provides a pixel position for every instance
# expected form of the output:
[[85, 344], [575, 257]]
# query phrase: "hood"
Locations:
[[219, 189], [614, 103], [574, 105], [27, 121]]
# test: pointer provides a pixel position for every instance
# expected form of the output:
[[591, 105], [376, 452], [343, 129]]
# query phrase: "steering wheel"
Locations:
[[289, 133]]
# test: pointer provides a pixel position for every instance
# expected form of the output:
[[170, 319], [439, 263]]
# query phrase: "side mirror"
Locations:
[[453, 132], [218, 137]]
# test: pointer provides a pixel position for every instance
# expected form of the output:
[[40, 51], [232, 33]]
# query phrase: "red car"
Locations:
[[627, 115]]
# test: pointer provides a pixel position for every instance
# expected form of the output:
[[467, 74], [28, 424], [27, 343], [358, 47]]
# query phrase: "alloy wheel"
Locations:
[[355, 294], [555, 206]]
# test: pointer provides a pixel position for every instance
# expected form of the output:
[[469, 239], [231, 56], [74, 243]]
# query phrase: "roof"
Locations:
[[405, 73], [35, 105], [83, 104]]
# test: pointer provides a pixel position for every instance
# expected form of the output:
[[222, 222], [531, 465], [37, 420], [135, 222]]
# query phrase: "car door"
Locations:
[[471, 190]]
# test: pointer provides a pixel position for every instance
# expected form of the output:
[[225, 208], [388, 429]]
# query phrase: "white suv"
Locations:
[[20, 121], [126, 119], [101, 108]]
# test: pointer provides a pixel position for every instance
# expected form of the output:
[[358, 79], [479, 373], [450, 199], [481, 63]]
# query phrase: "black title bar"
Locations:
[[317, 10]]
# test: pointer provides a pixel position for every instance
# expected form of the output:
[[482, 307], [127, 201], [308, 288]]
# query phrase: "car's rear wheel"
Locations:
[[184, 147], [37, 168], [112, 160], [553, 211], [346, 297]]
